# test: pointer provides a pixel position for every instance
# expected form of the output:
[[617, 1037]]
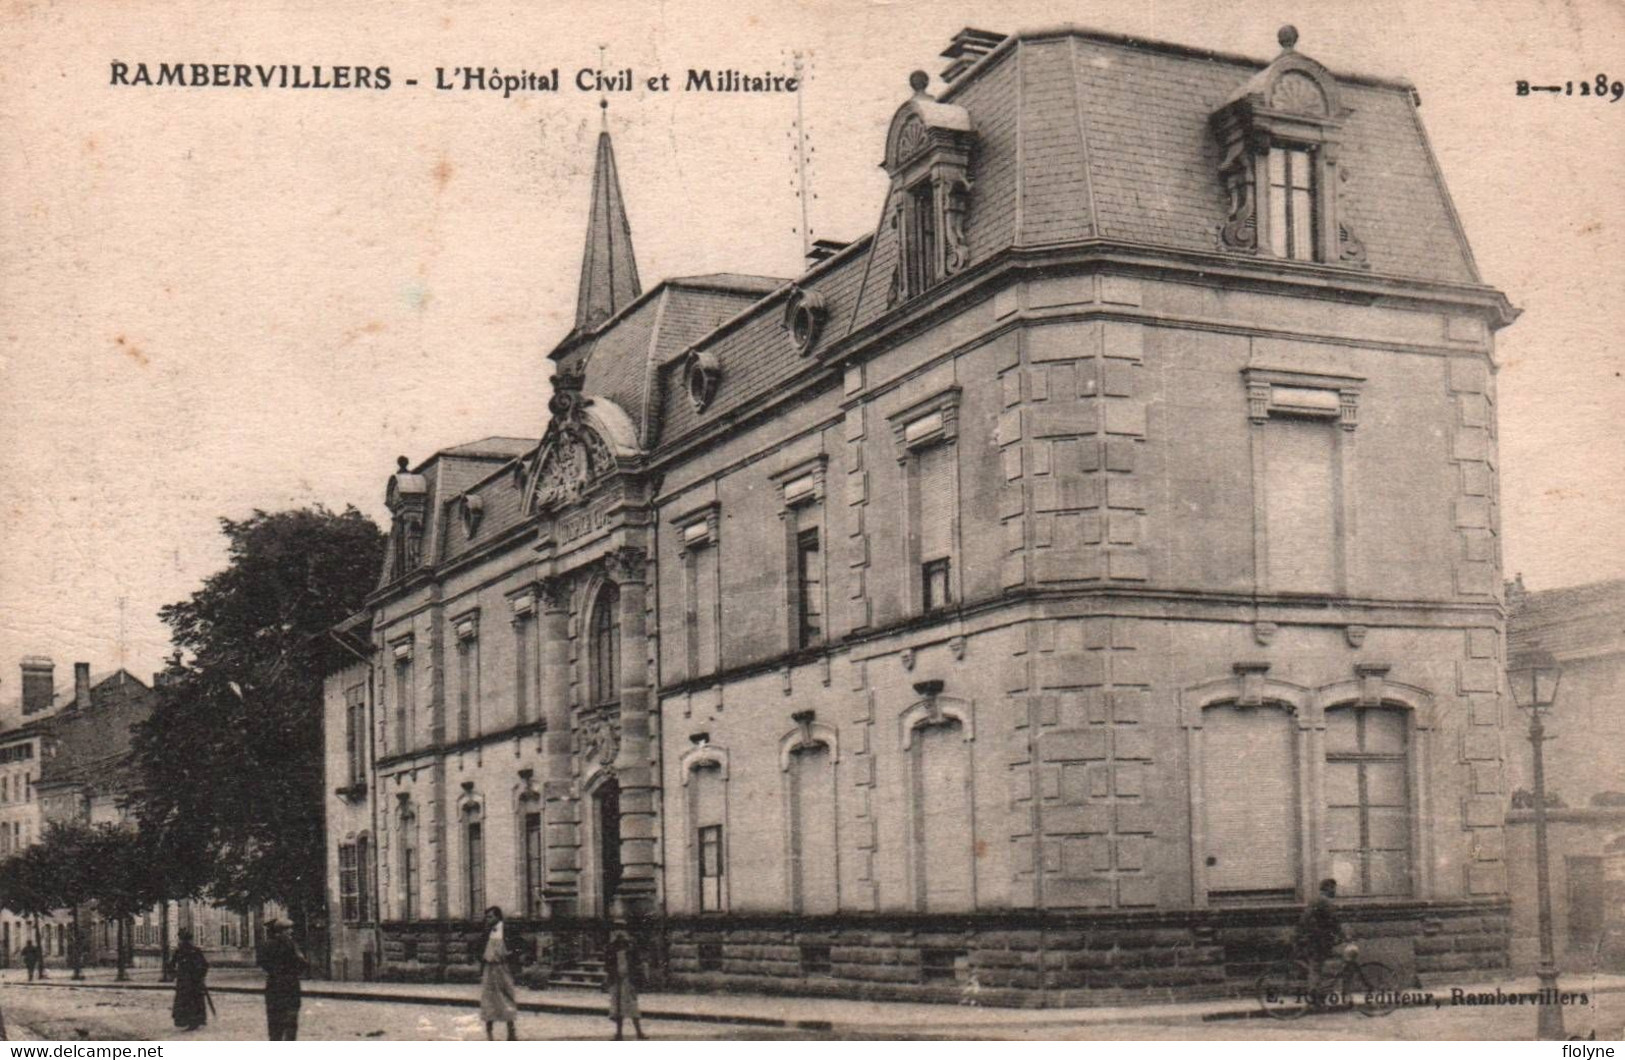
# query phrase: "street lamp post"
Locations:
[[1533, 679]]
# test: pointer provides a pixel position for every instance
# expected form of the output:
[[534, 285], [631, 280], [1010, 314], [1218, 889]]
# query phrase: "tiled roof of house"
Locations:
[[1578, 620]]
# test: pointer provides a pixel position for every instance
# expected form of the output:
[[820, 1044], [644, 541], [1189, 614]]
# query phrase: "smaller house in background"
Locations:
[[71, 757], [1583, 628]]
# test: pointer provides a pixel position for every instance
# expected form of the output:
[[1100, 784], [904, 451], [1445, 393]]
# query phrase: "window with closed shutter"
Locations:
[[1300, 492], [535, 866], [944, 870], [812, 830], [707, 795], [936, 483], [1250, 791]]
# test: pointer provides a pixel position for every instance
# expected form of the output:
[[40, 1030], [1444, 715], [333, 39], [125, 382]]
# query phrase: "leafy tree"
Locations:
[[122, 879], [27, 886], [232, 756]]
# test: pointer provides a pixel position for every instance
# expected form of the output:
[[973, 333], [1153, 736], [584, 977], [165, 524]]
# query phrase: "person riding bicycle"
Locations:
[[1319, 933]]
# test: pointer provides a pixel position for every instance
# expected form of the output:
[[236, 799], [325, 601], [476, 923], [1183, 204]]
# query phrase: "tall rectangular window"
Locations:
[[363, 880], [1301, 491], [1292, 203], [935, 582], [349, 889], [403, 704], [809, 589], [710, 850], [467, 685], [475, 869], [1368, 817], [355, 732], [934, 480], [920, 252], [535, 866], [409, 867], [523, 630]]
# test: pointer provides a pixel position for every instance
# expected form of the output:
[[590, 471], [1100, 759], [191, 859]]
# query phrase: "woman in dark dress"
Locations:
[[191, 969]]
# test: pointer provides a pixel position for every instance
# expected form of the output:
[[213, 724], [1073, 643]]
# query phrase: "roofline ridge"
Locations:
[[1142, 43]]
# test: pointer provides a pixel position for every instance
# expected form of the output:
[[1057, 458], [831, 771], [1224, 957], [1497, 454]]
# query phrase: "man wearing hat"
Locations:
[[283, 964]]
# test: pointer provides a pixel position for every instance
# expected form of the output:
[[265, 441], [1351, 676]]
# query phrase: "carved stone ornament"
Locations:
[[1350, 250], [554, 594], [911, 139], [894, 289], [955, 205], [599, 739], [1264, 632], [574, 459], [1298, 93], [1240, 229], [627, 564], [1355, 635]]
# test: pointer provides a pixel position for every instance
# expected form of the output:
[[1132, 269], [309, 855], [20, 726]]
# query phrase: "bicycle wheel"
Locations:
[[1283, 990], [1373, 986]]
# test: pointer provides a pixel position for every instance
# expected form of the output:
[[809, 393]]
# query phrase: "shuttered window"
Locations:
[[707, 794], [1368, 817], [348, 890], [363, 880], [1250, 785], [474, 870], [809, 589], [523, 631], [812, 830], [943, 867], [409, 866], [535, 873], [934, 481], [1300, 491]]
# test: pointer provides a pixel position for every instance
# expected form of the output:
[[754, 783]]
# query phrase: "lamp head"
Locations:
[[1533, 678]]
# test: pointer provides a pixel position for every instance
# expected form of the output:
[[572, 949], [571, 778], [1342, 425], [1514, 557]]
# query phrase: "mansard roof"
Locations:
[[1083, 136], [622, 358]]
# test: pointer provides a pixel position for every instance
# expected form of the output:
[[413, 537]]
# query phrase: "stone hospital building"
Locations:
[[1035, 597]]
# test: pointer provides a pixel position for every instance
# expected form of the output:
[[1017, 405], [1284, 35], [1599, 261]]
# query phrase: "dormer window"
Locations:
[[1280, 134], [920, 238], [1292, 202], [928, 156]]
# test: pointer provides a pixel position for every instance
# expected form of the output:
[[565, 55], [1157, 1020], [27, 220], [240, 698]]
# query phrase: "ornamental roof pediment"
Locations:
[[1292, 84], [586, 441], [921, 123]]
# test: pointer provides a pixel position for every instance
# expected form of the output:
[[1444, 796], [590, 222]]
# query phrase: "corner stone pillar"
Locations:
[[639, 887], [563, 812]]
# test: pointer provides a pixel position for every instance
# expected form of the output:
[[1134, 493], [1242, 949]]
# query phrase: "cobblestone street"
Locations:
[[61, 1012]]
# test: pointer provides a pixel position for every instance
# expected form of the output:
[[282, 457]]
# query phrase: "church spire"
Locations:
[[609, 271]]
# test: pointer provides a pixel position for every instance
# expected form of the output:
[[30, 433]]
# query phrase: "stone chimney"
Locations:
[[81, 686], [824, 249], [966, 48], [39, 684]]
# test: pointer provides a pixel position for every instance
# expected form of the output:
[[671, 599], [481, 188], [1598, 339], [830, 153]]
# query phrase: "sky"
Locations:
[[214, 300]]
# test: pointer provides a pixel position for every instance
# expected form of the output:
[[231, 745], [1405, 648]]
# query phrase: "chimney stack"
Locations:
[[824, 249], [968, 46], [81, 686], [39, 685]]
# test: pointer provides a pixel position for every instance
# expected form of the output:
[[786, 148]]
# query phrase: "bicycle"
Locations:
[[1288, 990]]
